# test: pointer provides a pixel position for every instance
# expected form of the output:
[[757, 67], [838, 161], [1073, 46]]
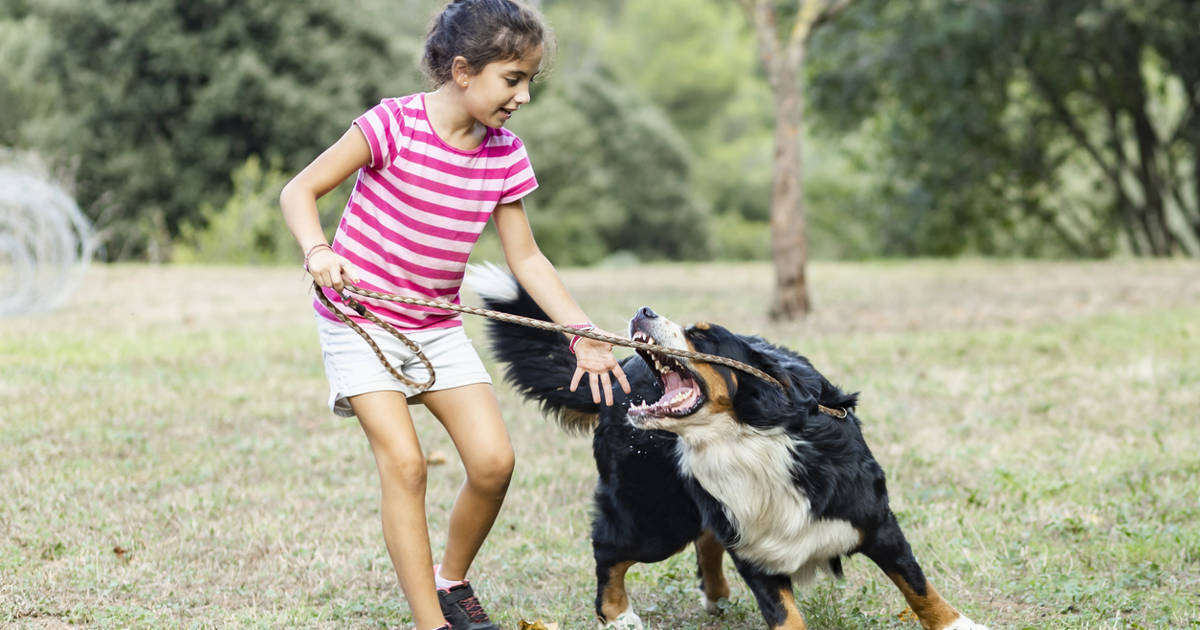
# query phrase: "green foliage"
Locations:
[[614, 176], [697, 61], [158, 101], [739, 238], [1022, 128], [940, 127], [247, 229], [25, 45]]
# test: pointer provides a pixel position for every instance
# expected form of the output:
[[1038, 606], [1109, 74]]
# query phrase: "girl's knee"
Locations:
[[493, 471], [403, 469]]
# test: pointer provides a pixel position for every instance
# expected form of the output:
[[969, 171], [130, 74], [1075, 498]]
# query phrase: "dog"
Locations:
[[697, 453]]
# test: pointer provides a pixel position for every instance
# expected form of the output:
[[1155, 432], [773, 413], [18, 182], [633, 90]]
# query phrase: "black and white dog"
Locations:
[[702, 454]]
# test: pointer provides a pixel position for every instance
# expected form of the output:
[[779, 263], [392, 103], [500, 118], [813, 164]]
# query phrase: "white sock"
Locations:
[[442, 582]]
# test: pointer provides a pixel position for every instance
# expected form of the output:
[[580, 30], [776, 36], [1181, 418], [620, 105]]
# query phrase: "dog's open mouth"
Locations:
[[682, 394]]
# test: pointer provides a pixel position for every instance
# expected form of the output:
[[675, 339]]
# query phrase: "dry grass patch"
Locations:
[[166, 458]]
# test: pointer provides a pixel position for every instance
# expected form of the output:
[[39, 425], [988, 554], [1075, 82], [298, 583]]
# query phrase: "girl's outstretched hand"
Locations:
[[330, 269], [596, 359]]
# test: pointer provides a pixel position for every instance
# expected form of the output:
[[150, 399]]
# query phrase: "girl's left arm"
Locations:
[[535, 273]]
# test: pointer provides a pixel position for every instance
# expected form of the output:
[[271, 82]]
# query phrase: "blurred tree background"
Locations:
[[936, 127]]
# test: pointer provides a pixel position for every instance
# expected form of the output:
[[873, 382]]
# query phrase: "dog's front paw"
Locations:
[[962, 623], [627, 620], [714, 606]]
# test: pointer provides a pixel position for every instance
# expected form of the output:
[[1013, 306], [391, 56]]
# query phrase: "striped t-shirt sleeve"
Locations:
[[520, 180], [381, 125]]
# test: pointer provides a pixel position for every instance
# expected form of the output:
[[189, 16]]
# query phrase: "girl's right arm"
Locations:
[[298, 200]]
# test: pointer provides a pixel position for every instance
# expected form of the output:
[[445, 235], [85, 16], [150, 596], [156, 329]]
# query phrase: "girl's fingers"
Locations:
[[620, 374], [592, 382], [575, 379]]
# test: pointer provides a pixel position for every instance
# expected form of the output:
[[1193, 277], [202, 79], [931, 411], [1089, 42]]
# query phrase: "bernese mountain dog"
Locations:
[[781, 479]]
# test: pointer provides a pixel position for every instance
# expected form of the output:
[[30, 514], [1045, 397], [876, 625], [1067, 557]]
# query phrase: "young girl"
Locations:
[[432, 168]]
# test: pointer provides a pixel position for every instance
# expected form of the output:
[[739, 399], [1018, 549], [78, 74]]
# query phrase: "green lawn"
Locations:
[[167, 459]]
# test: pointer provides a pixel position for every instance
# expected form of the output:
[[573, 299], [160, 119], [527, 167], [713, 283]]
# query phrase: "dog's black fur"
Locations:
[[649, 504]]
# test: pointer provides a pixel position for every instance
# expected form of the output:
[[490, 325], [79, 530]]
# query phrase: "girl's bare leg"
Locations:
[[386, 420], [471, 416]]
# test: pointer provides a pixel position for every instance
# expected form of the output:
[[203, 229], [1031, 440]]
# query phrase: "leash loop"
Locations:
[[362, 310]]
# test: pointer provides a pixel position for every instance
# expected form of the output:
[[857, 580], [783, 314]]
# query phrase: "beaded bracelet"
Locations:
[[312, 250], [576, 338]]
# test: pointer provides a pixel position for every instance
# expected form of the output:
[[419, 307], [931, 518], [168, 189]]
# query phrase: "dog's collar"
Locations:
[[840, 414]]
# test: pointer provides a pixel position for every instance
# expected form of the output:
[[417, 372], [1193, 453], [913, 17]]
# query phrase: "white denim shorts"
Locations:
[[352, 367]]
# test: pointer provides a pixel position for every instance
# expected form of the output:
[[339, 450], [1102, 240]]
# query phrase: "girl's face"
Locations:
[[500, 88]]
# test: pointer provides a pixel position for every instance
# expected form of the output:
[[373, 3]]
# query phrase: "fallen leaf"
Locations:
[[908, 615], [538, 625]]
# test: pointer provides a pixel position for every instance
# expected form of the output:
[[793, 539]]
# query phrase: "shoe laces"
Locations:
[[474, 609]]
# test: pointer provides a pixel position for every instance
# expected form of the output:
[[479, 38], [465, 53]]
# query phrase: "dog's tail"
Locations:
[[539, 363]]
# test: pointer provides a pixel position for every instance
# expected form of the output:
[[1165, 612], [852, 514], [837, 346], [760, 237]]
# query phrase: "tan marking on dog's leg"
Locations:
[[709, 555], [933, 611], [615, 600], [794, 620]]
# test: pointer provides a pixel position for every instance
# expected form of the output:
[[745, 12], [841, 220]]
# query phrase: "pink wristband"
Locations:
[[575, 339], [312, 250]]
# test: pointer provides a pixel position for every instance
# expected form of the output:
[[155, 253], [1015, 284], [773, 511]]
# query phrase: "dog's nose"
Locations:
[[647, 313]]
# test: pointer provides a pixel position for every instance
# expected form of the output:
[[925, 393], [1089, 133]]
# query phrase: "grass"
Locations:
[[166, 458]]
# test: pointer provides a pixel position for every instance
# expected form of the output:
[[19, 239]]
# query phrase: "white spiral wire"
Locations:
[[46, 242]]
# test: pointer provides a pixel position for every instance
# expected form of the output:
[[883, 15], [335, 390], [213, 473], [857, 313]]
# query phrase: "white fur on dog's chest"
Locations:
[[749, 472]]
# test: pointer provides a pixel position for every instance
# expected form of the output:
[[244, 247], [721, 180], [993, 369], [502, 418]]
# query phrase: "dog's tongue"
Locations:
[[672, 381]]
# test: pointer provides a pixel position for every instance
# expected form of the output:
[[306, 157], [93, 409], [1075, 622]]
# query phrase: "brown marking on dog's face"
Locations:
[[794, 620], [614, 599], [709, 554], [933, 611], [720, 398]]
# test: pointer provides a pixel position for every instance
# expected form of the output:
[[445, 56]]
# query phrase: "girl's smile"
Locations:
[[496, 92]]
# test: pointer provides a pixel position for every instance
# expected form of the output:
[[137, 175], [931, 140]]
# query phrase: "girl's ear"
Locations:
[[460, 71]]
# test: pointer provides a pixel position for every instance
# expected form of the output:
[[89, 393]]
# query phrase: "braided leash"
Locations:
[[513, 319]]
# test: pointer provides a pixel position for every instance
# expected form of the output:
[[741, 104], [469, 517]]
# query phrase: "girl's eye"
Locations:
[[513, 82]]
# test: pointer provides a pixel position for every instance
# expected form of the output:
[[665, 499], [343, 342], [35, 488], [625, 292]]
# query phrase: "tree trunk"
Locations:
[[789, 243], [783, 57]]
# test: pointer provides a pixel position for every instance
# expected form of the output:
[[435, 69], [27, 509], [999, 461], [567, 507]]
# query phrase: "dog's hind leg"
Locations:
[[612, 601], [891, 551], [709, 555]]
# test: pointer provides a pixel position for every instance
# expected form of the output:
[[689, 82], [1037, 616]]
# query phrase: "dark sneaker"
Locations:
[[462, 609]]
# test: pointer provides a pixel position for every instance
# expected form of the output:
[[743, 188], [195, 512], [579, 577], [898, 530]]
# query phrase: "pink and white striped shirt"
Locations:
[[418, 208]]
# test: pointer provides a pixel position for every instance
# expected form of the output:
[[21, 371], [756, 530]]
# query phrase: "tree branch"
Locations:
[[831, 12], [1067, 119], [762, 15]]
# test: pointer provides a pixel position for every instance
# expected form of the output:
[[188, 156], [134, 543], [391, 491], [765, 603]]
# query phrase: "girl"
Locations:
[[432, 168]]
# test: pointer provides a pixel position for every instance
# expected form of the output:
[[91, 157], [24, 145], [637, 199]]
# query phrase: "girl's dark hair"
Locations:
[[482, 31]]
